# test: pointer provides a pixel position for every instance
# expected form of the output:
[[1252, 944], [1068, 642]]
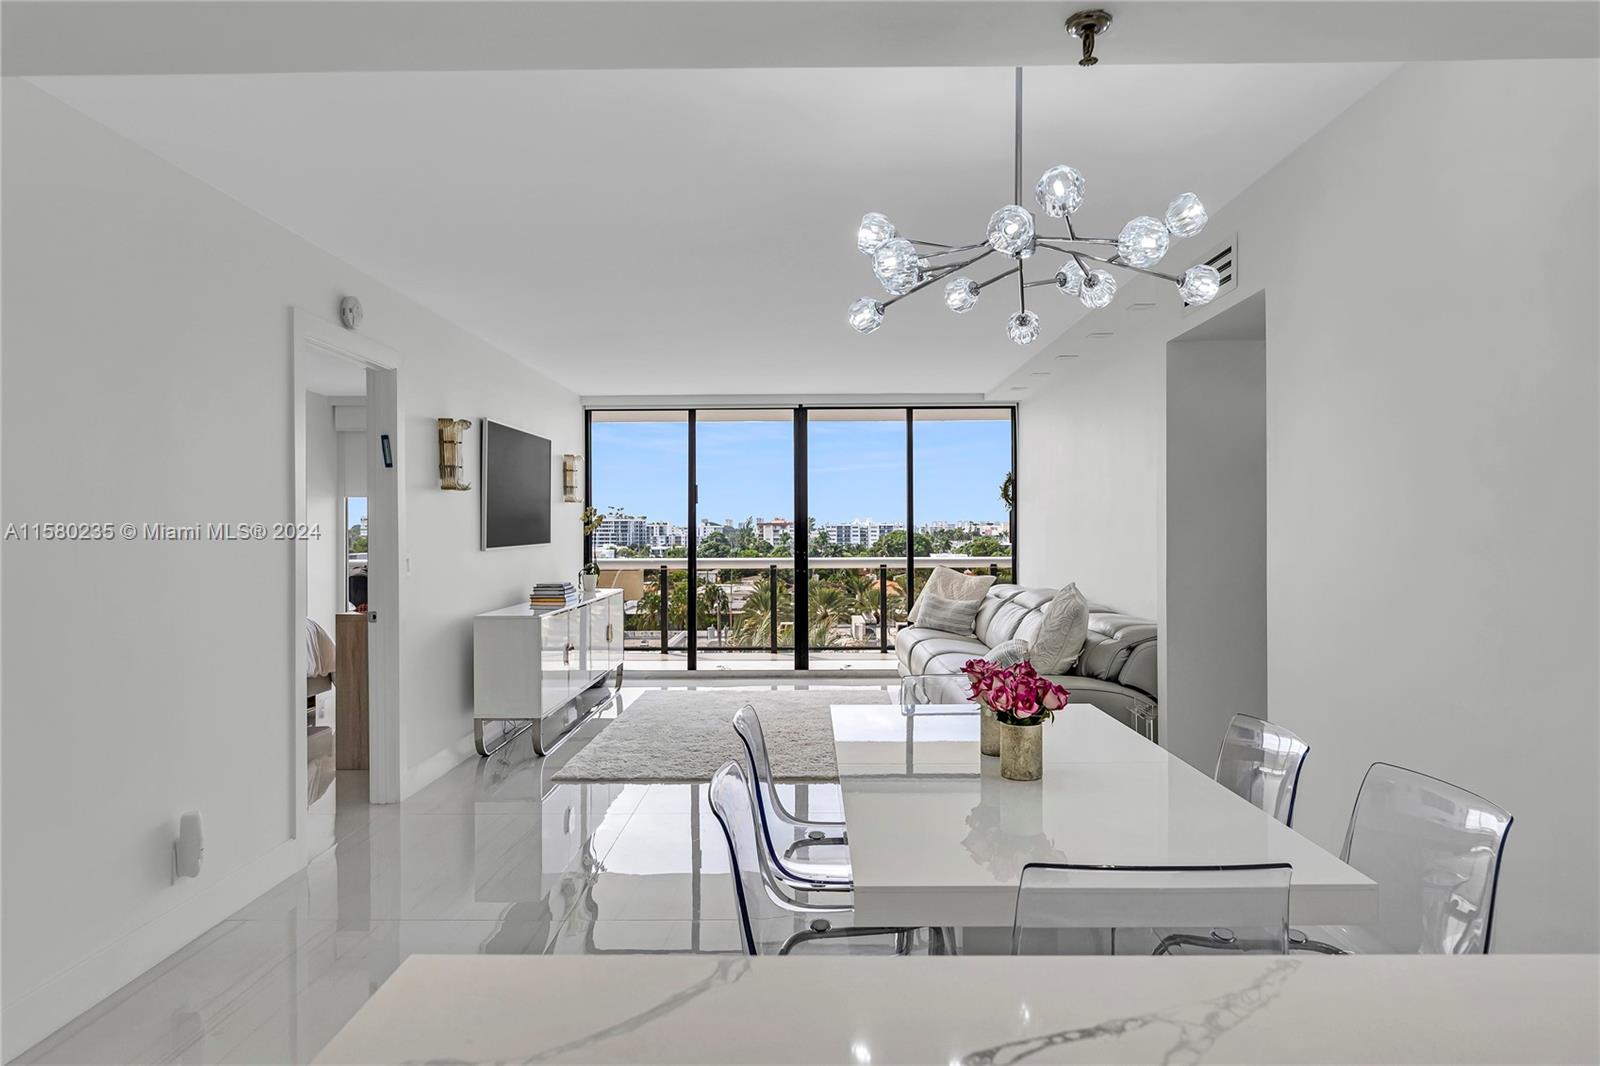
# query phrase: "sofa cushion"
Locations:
[[1006, 619], [1057, 639], [1110, 641], [951, 585], [1008, 652], [943, 654], [949, 616]]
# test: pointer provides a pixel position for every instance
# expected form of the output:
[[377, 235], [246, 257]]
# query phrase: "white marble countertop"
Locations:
[[938, 837], [978, 1011]]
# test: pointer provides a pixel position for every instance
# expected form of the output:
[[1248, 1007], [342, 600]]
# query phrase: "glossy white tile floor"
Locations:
[[490, 858]]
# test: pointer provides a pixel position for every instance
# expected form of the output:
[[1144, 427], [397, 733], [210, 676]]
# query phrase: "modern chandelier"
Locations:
[[905, 265]]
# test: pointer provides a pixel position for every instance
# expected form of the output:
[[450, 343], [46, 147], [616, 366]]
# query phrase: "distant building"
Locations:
[[772, 530], [623, 531], [860, 533]]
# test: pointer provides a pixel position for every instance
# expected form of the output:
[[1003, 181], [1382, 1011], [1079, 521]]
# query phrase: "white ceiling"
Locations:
[[692, 231]]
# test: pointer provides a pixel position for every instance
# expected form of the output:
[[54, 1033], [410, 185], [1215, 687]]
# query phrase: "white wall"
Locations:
[[1089, 470], [322, 509], [1214, 614], [144, 679], [1433, 429]]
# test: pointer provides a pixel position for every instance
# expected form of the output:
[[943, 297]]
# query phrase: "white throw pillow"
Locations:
[[1062, 633], [949, 616], [1008, 652], [950, 585]]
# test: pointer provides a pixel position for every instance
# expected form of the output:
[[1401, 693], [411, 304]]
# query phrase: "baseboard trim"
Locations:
[[36, 1015], [416, 778]]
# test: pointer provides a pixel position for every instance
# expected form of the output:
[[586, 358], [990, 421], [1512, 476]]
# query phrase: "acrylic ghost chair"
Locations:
[[1078, 908], [1260, 761], [732, 803]]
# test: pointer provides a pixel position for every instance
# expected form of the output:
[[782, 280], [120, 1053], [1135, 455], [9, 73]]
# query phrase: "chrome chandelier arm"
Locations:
[[1114, 261], [945, 249], [1003, 274], [940, 274]]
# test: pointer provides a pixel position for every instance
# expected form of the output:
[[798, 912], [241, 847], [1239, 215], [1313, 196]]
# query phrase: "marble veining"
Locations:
[[1195, 1037], [723, 972]]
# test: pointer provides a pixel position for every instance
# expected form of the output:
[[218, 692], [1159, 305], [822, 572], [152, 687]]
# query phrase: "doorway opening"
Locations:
[[346, 586], [1213, 609]]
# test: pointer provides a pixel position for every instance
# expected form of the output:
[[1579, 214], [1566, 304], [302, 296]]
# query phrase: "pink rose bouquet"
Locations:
[[1017, 694]]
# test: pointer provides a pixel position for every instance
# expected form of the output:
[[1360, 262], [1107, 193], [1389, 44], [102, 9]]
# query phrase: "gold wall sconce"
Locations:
[[569, 477], [452, 463]]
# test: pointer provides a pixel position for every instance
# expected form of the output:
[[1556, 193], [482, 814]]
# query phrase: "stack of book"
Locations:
[[553, 594]]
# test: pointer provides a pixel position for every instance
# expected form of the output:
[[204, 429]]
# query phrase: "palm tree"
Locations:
[[756, 622], [830, 607]]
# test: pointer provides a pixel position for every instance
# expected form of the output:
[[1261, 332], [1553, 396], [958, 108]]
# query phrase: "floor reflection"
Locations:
[[491, 858]]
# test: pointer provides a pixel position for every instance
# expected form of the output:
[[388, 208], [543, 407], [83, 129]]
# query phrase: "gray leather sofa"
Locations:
[[1116, 671]]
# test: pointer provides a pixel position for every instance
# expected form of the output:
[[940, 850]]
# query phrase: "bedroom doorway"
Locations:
[[347, 499]]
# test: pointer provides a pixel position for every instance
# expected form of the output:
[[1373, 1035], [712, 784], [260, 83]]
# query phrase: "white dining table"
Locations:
[[939, 838]]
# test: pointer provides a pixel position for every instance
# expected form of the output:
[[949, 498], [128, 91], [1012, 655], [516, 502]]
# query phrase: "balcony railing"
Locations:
[[747, 603]]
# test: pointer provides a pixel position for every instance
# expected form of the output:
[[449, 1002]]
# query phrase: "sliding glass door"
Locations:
[[856, 488], [961, 458], [744, 464], [639, 484], [794, 533]]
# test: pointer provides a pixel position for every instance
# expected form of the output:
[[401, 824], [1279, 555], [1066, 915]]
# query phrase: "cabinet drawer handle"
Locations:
[[566, 655], [609, 626]]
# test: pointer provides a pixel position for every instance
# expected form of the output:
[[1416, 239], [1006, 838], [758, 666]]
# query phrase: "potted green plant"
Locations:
[[589, 574]]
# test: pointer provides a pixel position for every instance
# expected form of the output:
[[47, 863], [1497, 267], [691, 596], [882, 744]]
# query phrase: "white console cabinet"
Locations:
[[536, 664]]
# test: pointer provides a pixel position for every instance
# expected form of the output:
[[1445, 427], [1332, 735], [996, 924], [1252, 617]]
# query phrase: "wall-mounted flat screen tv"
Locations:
[[515, 483]]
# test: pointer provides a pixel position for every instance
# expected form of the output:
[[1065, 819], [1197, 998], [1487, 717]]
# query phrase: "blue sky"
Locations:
[[857, 469]]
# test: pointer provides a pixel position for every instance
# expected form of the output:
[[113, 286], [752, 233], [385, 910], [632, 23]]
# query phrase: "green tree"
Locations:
[[744, 541], [894, 544], [984, 546], [756, 621], [715, 545], [710, 605], [830, 607], [358, 542]]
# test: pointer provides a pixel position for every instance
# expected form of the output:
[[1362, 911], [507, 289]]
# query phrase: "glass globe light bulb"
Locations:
[[1023, 327], [1069, 279], [1011, 231], [1060, 191], [897, 264], [1186, 215], [874, 230], [1097, 290], [1200, 285], [961, 295], [1143, 242], [866, 315]]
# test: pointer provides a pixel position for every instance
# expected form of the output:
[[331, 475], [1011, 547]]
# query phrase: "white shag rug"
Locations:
[[687, 735]]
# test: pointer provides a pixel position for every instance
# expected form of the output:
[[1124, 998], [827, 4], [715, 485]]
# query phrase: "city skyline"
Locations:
[[857, 470]]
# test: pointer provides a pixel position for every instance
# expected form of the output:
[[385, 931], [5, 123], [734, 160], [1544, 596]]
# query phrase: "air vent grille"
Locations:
[[1225, 259]]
